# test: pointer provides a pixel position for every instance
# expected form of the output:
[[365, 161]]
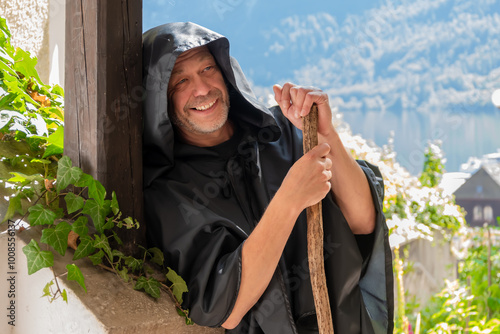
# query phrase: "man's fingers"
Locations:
[[282, 96], [321, 150], [318, 97], [277, 93]]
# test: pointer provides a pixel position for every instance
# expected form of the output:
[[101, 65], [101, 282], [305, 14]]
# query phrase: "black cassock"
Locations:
[[202, 203]]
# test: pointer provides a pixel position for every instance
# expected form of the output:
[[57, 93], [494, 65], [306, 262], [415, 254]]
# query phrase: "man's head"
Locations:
[[199, 99]]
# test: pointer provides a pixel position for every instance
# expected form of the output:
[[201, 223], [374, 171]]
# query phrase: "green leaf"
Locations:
[[156, 256], [25, 64], [42, 161], [150, 285], [56, 143], [37, 259], [80, 226], [46, 289], [133, 263], [114, 203], [118, 254], [64, 295], [75, 274], [14, 206], [57, 237], [109, 224], [179, 286], [23, 178], [97, 192], [57, 137], [102, 242], [184, 314], [39, 215], [97, 257], [129, 222], [52, 150], [85, 247], [85, 181], [73, 202], [97, 213], [123, 273], [66, 174], [117, 238]]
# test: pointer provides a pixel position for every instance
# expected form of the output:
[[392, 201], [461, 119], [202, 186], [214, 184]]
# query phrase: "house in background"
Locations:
[[480, 195]]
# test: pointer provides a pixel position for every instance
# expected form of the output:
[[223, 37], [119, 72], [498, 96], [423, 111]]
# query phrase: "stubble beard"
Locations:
[[191, 125]]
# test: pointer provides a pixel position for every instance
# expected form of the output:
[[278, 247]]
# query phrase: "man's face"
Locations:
[[199, 98]]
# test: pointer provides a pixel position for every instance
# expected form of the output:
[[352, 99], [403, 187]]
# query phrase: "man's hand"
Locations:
[[308, 181], [296, 102], [349, 184]]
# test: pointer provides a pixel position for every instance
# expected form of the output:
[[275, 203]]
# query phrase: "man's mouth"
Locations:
[[205, 106]]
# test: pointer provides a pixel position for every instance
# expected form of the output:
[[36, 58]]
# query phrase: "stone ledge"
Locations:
[[110, 305]]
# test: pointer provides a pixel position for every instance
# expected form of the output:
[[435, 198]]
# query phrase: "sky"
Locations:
[[416, 70]]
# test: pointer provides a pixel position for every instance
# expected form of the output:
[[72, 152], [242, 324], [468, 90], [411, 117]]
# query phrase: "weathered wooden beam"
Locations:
[[103, 98]]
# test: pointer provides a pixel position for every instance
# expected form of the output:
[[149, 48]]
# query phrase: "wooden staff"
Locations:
[[315, 237]]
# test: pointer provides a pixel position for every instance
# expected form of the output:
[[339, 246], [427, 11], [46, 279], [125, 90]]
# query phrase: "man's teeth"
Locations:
[[205, 107]]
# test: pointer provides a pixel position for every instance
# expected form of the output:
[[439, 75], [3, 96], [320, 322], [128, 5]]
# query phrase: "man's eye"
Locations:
[[208, 68], [181, 81]]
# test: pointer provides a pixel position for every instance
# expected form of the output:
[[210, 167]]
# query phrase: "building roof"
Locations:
[[483, 184]]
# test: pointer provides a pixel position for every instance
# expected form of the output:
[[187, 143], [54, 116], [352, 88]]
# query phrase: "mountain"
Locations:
[[416, 70]]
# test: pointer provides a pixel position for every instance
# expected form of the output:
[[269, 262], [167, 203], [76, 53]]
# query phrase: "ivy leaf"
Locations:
[[57, 237], [114, 204], [109, 224], [179, 286], [25, 64], [56, 143], [118, 254], [85, 181], [117, 238], [46, 289], [85, 247], [123, 273], [156, 256], [75, 274], [66, 173], [40, 215], [97, 192], [73, 202], [14, 206], [150, 285], [42, 161], [22, 178], [80, 226], [64, 295], [133, 263], [103, 243], [184, 314], [97, 212], [52, 150], [37, 259], [97, 257]]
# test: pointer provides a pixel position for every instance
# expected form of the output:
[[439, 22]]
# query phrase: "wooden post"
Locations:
[[103, 99]]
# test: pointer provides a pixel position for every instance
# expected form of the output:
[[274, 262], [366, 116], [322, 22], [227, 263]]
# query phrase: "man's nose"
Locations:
[[200, 87]]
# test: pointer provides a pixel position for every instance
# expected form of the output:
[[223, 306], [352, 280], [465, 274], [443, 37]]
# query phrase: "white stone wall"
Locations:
[[28, 21]]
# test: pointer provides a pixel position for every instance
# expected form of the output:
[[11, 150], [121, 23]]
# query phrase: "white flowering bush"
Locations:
[[414, 207]]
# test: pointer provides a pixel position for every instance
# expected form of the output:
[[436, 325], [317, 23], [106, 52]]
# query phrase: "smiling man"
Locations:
[[226, 185], [199, 99]]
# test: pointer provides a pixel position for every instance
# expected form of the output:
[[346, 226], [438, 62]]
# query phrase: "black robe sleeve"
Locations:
[[201, 246]]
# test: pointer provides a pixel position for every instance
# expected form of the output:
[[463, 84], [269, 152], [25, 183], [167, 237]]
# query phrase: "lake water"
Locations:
[[463, 133]]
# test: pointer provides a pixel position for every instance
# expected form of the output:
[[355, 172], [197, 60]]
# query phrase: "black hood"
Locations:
[[161, 47]]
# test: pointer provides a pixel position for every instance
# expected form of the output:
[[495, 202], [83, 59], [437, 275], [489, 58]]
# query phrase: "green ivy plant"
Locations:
[[71, 208]]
